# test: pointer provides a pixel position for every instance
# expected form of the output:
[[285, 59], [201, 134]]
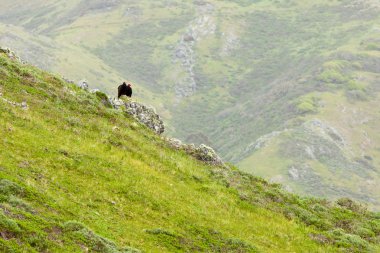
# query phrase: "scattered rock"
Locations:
[[294, 173], [12, 55], [325, 131], [175, 143], [145, 115], [203, 153], [262, 142], [207, 154], [68, 80], [188, 38], [24, 105], [83, 84], [116, 103]]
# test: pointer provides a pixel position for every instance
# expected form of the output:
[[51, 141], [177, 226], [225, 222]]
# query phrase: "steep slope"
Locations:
[[232, 74], [75, 172]]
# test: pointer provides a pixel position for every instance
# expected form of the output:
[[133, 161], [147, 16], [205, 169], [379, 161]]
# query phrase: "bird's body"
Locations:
[[124, 89]]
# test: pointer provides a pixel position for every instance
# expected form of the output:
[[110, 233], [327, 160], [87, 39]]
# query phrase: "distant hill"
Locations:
[[285, 89]]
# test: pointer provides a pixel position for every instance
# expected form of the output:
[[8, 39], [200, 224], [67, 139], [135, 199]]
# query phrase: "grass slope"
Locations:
[[78, 176], [254, 68]]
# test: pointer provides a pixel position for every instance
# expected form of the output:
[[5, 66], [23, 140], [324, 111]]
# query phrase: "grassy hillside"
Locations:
[[232, 74], [76, 176]]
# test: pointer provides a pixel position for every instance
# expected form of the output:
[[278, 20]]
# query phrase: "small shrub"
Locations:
[[8, 188], [158, 231], [351, 205], [104, 99], [365, 233], [352, 242], [356, 85], [20, 204], [38, 242], [332, 76], [8, 225], [95, 242]]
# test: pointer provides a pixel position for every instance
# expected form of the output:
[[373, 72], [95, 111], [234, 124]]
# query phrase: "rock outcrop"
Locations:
[[12, 55], [145, 115], [202, 152], [83, 84]]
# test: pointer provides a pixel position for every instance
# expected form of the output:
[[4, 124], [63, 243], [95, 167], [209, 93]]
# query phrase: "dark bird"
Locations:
[[124, 89]]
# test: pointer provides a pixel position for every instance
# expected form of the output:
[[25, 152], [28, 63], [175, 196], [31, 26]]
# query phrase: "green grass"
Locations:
[[71, 182], [285, 52]]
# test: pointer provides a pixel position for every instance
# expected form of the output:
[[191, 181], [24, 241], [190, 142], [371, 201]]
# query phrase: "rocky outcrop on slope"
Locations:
[[143, 114], [202, 152], [12, 55]]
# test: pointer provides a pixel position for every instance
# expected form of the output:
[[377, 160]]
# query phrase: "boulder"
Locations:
[[145, 115], [202, 153], [83, 84], [116, 103], [12, 55], [175, 143], [207, 154]]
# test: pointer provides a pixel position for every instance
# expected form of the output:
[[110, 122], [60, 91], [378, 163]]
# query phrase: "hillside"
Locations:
[[79, 176], [285, 89]]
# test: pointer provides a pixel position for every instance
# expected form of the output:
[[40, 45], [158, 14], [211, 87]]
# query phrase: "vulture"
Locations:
[[124, 89]]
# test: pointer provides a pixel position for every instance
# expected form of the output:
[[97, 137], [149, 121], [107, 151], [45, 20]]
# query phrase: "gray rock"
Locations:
[[203, 153], [175, 143], [12, 55], [207, 154], [68, 80], [294, 173], [143, 114], [83, 84], [24, 105]]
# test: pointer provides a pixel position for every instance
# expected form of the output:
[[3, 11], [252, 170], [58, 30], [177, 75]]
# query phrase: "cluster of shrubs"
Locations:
[[92, 241], [207, 240], [343, 223]]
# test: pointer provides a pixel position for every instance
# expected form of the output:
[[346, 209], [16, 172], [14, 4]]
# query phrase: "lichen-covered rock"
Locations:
[[83, 84], [12, 55], [203, 153], [145, 115], [175, 143], [116, 103], [207, 154]]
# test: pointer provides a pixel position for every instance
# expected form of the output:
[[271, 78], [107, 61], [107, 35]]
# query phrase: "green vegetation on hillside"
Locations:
[[76, 175], [232, 74]]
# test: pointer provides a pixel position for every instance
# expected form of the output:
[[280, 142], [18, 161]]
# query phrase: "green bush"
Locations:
[[95, 242], [332, 76], [103, 99], [349, 204], [8, 188], [8, 225]]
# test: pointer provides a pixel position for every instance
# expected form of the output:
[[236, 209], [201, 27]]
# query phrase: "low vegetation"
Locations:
[[78, 176]]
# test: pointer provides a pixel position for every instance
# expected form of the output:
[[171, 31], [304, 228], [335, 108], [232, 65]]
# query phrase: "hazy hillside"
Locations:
[[286, 89], [78, 176]]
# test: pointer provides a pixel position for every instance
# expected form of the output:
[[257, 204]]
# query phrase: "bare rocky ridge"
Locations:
[[198, 29]]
